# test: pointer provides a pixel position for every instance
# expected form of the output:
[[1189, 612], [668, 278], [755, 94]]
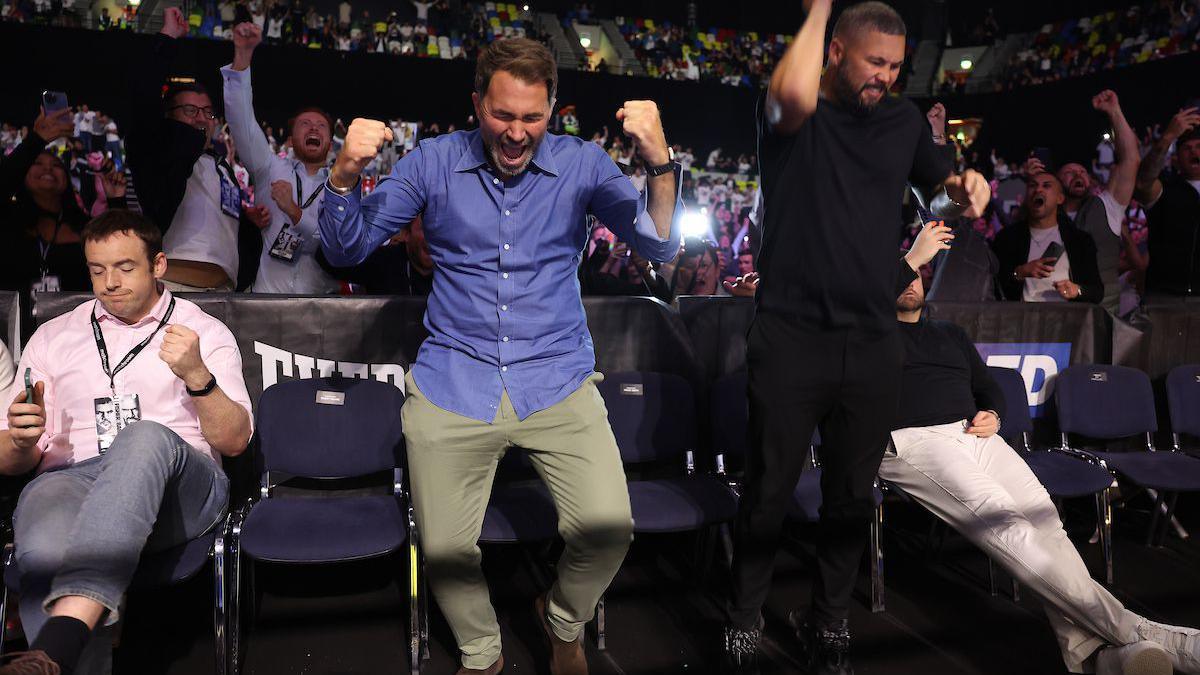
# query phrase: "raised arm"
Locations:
[[1124, 172], [649, 221], [796, 83], [253, 148], [351, 226], [1149, 188]]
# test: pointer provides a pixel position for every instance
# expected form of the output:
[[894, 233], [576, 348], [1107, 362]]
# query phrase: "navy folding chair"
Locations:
[[1065, 473], [1183, 402], [329, 429], [730, 433], [1113, 402], [160, 569], [653, 417]]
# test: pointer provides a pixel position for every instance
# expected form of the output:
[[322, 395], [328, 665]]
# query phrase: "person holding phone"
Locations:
[[130, 401], [1043, 259]]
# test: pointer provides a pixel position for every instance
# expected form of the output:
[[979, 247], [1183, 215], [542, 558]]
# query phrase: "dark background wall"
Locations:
[[91, 67]]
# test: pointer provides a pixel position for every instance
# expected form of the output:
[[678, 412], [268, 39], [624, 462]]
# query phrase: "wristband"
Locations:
[[205, 391]]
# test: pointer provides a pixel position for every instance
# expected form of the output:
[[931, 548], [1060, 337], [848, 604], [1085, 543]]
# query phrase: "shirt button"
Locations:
[[505, 338], [504, 369], [504, 308], [507, 212], [505, 275], [341, 208], [495, 181], [506, 247]]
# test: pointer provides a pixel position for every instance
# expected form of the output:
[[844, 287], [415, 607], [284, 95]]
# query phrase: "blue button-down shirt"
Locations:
[[505, 312]]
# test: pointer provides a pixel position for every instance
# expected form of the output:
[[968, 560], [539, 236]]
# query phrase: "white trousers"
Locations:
[[985, 491]]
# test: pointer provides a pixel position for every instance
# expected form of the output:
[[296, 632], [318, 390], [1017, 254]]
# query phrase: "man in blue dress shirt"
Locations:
[[509, 360]]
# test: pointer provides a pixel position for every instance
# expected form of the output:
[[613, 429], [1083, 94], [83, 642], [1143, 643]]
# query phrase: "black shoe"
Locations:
[[826, 646], [741, 648]]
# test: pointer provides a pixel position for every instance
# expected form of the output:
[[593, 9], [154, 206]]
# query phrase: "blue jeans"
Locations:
[[80, 530]]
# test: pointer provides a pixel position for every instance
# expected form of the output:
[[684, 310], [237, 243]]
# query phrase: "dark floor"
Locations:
[[940, 617]]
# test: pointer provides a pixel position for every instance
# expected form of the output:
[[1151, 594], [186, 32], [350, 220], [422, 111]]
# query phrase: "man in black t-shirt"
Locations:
[[945, 453], [835, 153], [1172, 206]]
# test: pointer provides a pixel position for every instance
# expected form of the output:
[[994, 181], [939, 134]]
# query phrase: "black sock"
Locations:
[[63, 639]]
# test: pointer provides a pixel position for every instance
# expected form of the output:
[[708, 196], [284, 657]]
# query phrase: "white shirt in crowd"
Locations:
[[84, 122], [685, 159], [201, 231], [274, 28], [110, 132], [344, 11], [228, 12], [1112, 209], [301, 274], [1042, 290], [713, 157], [422, 9]]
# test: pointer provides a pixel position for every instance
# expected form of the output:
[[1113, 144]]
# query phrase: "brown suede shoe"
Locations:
[[29, 663], [566, 658], [493, 669]]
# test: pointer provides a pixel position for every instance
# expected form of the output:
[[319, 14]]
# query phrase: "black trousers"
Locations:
[[848, 382]]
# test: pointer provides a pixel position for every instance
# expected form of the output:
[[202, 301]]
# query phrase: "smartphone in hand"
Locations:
[[53, 101], [1054, 251], [28, 387]]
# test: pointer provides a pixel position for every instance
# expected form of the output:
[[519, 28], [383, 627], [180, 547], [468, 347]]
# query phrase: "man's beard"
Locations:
[[850, 95], [909, 303], [497, 156]]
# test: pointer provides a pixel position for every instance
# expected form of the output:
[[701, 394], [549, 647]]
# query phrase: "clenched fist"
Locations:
[[937, 119], [640, 121], [181, 352], [1106, 101], [281, 192], [364, 139], [174, 23], [970, 188]]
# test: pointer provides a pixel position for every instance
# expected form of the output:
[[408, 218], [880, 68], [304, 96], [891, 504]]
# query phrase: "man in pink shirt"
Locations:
[[138, 394]]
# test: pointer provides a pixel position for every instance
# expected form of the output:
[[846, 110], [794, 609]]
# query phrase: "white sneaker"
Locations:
[[1181, 644], [1139, 658]]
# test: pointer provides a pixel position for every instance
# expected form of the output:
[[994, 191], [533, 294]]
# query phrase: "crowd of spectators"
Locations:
[[1146, 31], [670, 51]]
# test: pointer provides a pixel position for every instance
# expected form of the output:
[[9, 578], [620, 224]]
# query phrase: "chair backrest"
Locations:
[[1104, 402], [330, 427], [1016, 403], [1183, 399], [731, 418], [653, 415]]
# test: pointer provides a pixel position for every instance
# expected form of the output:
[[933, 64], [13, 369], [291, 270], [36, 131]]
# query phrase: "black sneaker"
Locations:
[[826, 646], [741, 648]]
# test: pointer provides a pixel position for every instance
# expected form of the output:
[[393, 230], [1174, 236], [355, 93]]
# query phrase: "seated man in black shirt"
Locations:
[[945, 453]]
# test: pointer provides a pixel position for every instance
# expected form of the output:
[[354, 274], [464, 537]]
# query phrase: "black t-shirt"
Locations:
[[944, 378], [832, 222], [1174, 241]]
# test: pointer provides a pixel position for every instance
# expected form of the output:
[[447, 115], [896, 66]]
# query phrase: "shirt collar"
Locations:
[[156, 313], [474, 157], [299, 168]]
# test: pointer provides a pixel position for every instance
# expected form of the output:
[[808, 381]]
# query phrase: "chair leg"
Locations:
[[876, 553], [235, 601], [220, 615], [1016, 590], [993, 589], [1168, 516], [1104, 525], [414, 608], [1152, 532]]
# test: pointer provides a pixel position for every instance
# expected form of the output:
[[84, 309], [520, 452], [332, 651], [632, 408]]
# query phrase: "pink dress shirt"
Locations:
[[63, 354]]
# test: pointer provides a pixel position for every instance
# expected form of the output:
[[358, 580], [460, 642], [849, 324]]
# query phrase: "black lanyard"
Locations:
[[100, 347], [307, 202]]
